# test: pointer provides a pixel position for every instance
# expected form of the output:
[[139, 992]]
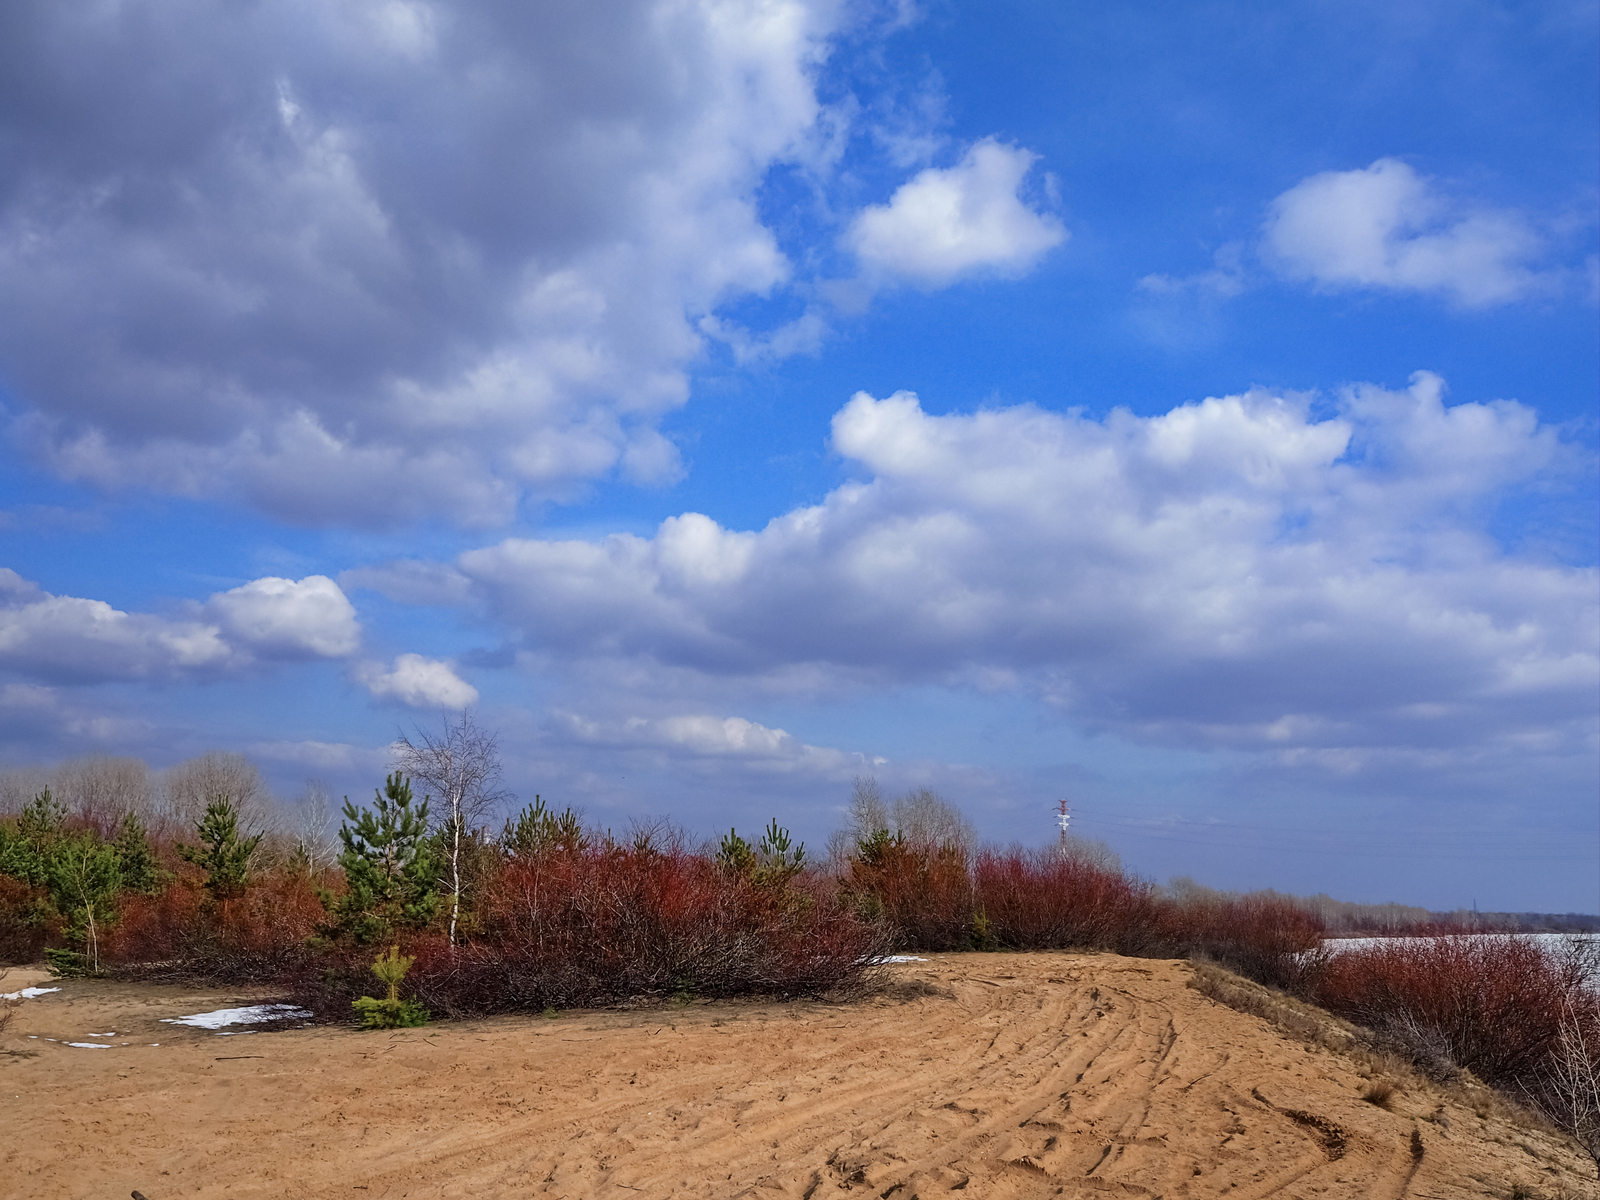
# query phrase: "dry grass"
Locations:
[[1382, 1093], [1304, 1022], [1393, 1075]]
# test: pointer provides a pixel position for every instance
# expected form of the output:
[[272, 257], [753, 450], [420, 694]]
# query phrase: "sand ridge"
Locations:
[[977, 1075]]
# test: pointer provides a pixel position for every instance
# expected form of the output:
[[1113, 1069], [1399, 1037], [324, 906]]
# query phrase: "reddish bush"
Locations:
[[924, 894], [22, 929], [1269, 939], [179, 932], [1493, 1003], [1038, 899], [604, 924]]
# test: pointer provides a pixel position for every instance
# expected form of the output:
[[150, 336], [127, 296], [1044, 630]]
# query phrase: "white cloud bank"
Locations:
[[1387, 227], [948, 223], [418, 682], [1235, 572], [75, 640], [371, 261], [705, 737]]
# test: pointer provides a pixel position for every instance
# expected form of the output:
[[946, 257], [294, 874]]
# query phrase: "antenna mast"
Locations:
[[1064, 819]]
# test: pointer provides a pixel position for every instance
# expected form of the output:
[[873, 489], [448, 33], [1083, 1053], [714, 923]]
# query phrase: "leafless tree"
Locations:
[[925, 818], [196, 783], [18, 785], [460, 767], [314, 832], [867, 814], [921, 816], [102, 790], [1091, 852]]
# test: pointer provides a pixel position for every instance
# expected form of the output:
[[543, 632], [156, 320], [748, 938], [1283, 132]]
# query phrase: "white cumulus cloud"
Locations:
[[417, 681], [1385, 226], [75, 639], [947, 223], [307, 618], [1235, 572], [373, 261]]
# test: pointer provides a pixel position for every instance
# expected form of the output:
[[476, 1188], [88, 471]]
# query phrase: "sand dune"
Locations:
[[972, 1075]]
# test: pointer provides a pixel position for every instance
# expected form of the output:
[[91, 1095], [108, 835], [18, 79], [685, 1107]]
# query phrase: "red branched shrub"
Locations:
[[22, 931], [1038, 899], [180, 932], [1269, 939], [605, 924], [924, 894], [1495, 1003]]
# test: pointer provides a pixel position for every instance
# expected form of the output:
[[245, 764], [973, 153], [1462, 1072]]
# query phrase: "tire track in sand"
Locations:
[[976, 1076]]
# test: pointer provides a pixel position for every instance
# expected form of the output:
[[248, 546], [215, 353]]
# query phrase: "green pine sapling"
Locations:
[[389, 868], [391, 1012], [223, 854], [83, 877]]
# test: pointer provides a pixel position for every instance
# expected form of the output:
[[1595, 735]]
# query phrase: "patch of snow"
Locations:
[[27, 993], [901, 958], [89, 1045], [255, 1014]]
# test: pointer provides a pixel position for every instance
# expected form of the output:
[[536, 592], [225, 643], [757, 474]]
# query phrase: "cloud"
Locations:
[[1226, 279], [949, 223], [40, 723], [71, 639], [322, 756], [283, 618], [1387, 227], [376, 261], [417, 681], [702, 736], [1233, 573]]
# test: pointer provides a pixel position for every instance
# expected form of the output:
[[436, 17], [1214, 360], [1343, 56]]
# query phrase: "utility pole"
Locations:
[[1064, 819]]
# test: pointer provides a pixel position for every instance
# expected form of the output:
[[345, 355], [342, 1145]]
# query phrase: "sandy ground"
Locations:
[[975, 1075]]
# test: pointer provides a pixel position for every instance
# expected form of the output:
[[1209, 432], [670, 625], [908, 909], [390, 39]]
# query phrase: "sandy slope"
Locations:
[[976, 1075]]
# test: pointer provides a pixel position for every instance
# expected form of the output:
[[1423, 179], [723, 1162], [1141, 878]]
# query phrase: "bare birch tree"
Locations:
[[460, 767], [314, 833]]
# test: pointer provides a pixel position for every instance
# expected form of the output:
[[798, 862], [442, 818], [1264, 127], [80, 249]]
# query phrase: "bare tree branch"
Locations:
[[460, 767]]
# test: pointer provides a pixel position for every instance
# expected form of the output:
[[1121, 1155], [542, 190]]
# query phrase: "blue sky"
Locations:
[[1187, 410]]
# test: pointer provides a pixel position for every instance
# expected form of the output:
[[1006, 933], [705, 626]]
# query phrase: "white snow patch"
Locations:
[[89, 1045], [28, 993], [901, 958], [255, 1014]]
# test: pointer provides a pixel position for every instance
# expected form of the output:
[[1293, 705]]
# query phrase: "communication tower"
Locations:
[[1064, 819]]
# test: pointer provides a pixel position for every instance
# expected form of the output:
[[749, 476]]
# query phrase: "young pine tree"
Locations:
[[389, 868], [26, 844], [83, 876], [222, 852], [135, 859]]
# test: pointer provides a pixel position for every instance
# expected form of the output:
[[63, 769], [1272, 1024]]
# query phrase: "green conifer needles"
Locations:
[[391, 1012], [389, 867], [222, 852]]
